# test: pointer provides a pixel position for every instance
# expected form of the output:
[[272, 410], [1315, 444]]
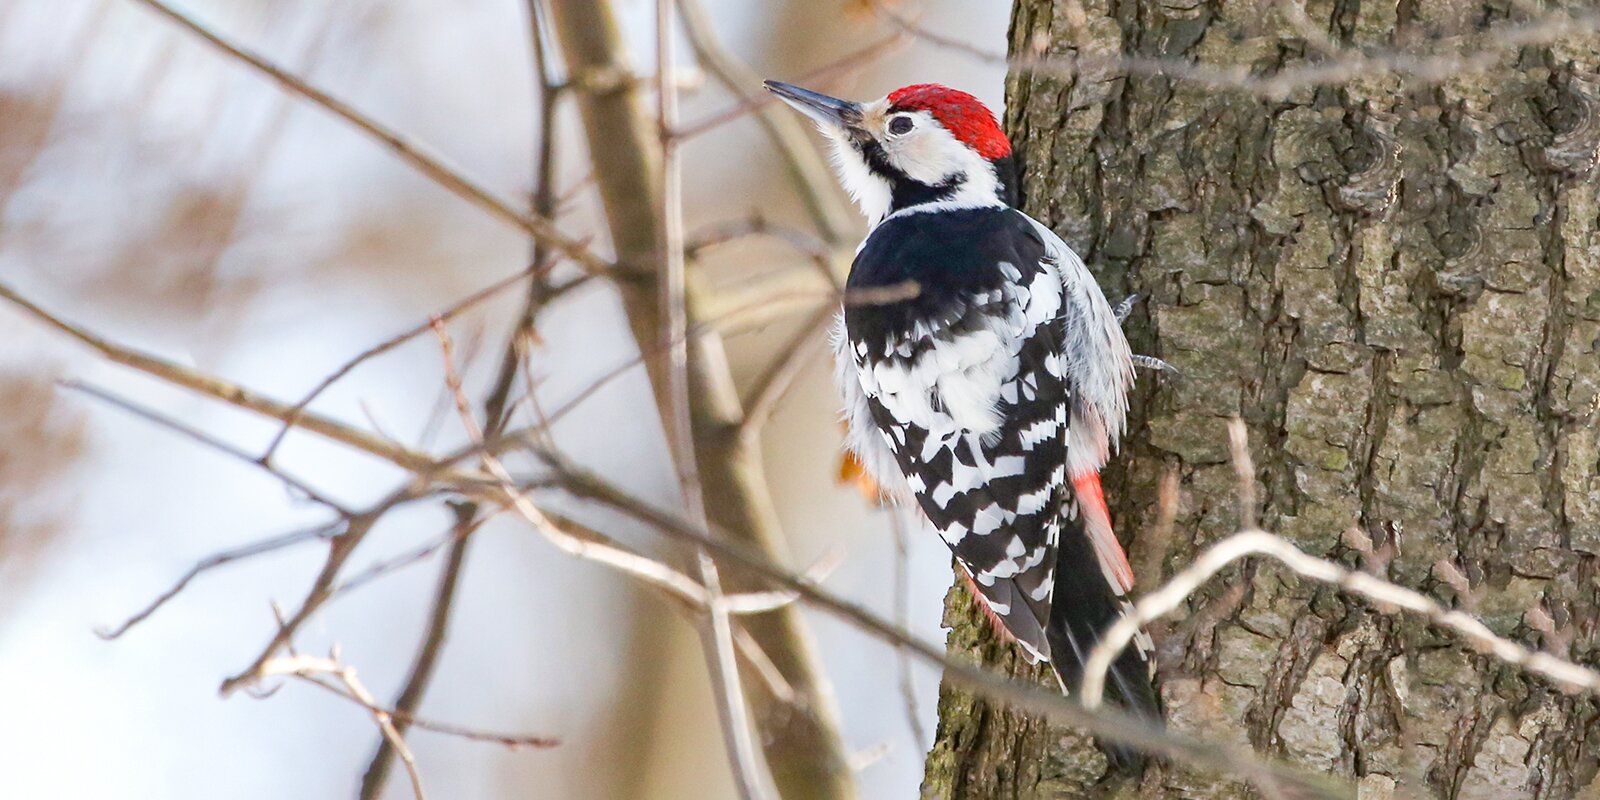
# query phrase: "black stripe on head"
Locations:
[[904, 191], [1005, 168]]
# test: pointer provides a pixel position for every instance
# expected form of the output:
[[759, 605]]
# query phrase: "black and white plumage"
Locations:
[[992, 398]]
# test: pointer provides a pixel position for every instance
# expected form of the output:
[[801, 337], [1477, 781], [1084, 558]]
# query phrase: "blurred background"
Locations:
[[164, 196]]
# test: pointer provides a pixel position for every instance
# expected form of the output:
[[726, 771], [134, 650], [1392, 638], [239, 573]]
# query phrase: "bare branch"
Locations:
[[748, 769], [533, 271], [212, 562], [340, 546], [427, 658], [717, 641], [195, 434], [1450, 57], [429, 165], [777, 380], [819, 76], [1244, 469], [230, 393], [1387, 597], [1050, 704], [674, 316], [810, 174], [901, 586], [770, 675], [305, 667]]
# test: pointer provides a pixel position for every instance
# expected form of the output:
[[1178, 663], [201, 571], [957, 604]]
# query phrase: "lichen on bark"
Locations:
[[1397, 287]]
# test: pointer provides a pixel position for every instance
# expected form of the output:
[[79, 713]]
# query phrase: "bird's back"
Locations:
[[965, 385]]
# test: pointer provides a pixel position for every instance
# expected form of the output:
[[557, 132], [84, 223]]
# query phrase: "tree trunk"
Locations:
[[1398, 288]]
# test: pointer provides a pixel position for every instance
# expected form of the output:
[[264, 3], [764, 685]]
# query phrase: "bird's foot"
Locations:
[[1155, 364], [1124, 308], [1121, 311]]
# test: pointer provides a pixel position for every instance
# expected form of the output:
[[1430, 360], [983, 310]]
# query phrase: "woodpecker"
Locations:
[[991, 399]]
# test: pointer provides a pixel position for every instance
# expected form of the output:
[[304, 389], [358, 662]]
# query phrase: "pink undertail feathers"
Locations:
[[1097, 525]]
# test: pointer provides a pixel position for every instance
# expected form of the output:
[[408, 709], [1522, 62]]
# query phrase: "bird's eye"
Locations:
[[900, 125]]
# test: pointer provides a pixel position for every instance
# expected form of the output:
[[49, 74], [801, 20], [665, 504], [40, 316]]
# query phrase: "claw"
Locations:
[[1124, 308], [1121, 311], [1153, 363]]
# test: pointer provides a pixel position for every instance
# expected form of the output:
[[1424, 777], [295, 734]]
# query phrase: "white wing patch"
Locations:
[[1097, 359], [862, 436], [961, 381]]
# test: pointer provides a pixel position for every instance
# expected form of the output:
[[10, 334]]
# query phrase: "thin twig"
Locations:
[[725, 677], [533, 271], [195, 434], [213, 561], [902, 619], [769, 673], [674, 317], [717, 639], [305, 667], [870, 296], [512, 741], [1244, 469], [225, 391], [427, 658], [1102, 722], [429, 165], [581, 541], [1387, 597], [810, 174], [403, 560], [780, 376], [819, 76], [1451, 58]]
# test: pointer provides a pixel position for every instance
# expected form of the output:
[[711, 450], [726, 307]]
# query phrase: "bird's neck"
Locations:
[[992, 185]]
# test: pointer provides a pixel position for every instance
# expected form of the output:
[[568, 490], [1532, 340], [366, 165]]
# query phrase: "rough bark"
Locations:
[[800, 739], [1398, 288]]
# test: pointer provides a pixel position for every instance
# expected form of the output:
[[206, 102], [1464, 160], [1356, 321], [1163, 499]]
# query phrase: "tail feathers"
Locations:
[[1083, 606]]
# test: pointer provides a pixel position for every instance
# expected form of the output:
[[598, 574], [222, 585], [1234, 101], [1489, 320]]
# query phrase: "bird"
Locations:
[[990, 397]]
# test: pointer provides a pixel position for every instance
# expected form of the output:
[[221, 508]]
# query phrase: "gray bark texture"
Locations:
[[1397, 287]]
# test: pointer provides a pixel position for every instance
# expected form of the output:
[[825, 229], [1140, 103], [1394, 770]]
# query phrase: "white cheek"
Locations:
[[870, 192], [931, 155], [927, 156]]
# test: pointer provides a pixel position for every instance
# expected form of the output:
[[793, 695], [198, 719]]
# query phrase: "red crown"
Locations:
[[964, 116]]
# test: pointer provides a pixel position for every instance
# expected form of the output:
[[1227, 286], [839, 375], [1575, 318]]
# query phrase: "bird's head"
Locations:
[[917, 146]]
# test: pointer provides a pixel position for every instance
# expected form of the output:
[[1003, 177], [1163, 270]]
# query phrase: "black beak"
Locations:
[[824, 110]]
